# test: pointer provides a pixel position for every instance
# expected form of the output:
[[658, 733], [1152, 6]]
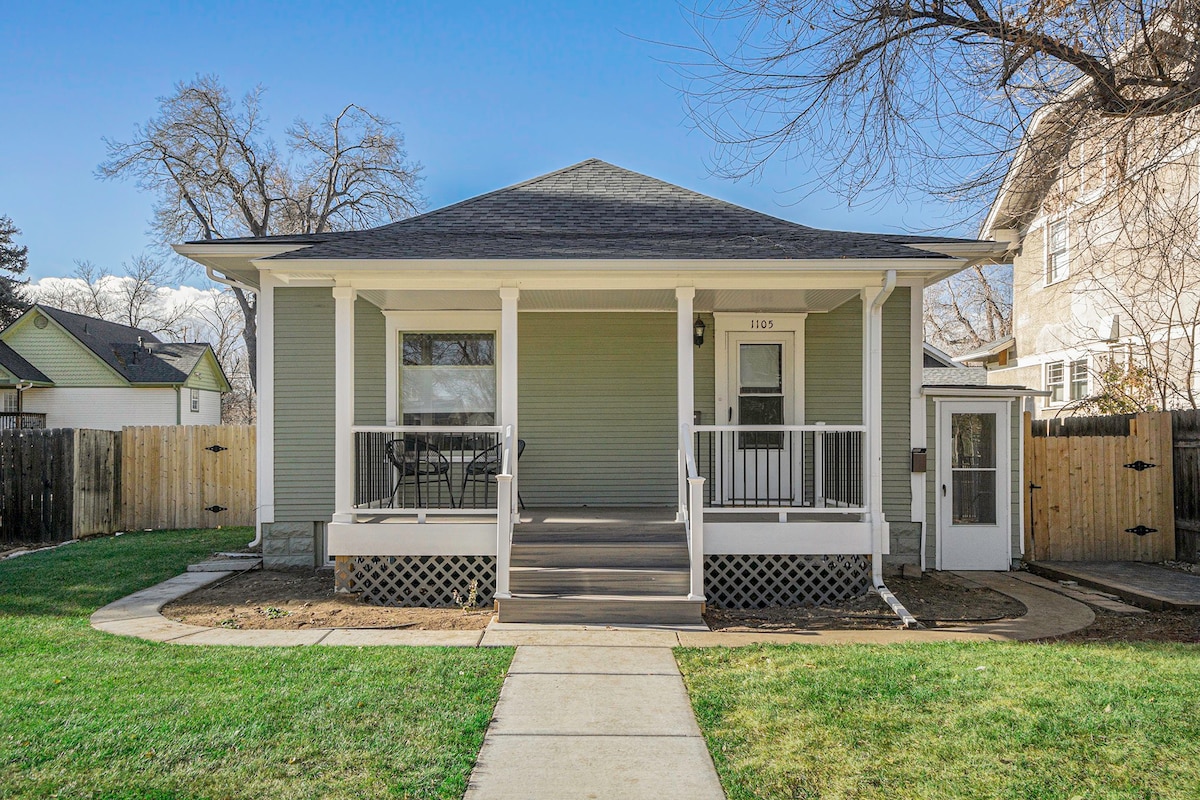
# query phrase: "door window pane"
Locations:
[[448, 379], [760, 370], [974, 497], [973, 469], [973, 441]]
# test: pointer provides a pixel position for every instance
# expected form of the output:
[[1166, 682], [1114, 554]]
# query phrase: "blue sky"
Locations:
[[488, 94]]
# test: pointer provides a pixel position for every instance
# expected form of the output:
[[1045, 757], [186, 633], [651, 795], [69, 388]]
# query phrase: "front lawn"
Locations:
[[87, 714], [951, 720]]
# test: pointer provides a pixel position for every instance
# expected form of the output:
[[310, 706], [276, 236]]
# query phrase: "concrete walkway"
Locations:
[[1147, 585], [594, 722]]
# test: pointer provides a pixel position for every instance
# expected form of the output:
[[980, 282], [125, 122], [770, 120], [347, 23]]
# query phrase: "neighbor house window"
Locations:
[[8, 402], [1056, 251], [1054, 381], [195, 399], [448, 378], [1079, 379]]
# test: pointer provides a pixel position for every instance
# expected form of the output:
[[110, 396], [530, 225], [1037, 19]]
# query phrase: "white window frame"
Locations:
[[398, 322], [1049, 276], [1086, 194], [9, 400], [1072, 382], [195, 401], [1060, 384]]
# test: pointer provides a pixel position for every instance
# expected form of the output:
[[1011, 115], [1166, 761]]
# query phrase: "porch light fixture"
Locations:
[[698, 332]]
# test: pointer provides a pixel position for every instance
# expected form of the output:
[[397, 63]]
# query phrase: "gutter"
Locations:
[[876, 423]]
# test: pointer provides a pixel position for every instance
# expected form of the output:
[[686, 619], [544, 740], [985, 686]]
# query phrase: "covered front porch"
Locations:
[[743, 431]]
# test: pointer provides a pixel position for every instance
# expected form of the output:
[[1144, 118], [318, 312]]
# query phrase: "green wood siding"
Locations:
[[833, 385], [6, 376], [370, 365], [597, 408], [60, 356], [897, 407], [705, 374], [304, 403], [205, 376]]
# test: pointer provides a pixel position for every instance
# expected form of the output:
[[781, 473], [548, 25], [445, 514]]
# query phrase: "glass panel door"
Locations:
[[758, 465]]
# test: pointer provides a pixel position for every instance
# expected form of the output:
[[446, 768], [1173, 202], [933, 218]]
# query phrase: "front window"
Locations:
[[1056, 251], [448, 378], [1079, 379], [1054, 381]]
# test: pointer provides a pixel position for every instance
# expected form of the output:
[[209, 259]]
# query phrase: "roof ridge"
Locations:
[[55, 310], [469, 200]]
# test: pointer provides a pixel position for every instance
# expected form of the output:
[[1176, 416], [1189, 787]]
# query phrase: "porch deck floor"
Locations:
[[648, 518]]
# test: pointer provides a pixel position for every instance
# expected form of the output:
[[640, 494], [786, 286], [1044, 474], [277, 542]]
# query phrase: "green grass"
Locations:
[[951, 720], [84, 714]]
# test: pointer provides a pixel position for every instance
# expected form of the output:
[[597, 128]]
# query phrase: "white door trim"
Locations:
[[726, 323], [1003, 411]]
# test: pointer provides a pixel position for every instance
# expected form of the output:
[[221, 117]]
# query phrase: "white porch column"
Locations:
[[265, 405], [685, 360], [343, 356], [508, 364]]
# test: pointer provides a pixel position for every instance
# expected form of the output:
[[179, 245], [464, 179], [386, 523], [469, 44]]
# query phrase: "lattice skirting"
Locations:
[[426, 581], [759, 581]]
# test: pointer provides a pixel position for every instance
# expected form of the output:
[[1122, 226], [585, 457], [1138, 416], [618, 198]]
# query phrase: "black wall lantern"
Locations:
[[698, 332]]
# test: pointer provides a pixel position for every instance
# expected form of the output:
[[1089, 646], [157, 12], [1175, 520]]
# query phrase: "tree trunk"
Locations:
[[249, 305]]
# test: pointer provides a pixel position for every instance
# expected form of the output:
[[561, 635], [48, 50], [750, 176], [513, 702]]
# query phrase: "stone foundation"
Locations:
[[906, 546], [289, 544]]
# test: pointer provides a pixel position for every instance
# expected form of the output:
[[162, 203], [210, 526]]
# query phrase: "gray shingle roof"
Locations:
[[12, 361], [150, 361], [595, 210]]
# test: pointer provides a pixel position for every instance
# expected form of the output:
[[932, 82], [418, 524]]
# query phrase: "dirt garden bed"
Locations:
[[1154, 626], [936, 600], [297, 599]]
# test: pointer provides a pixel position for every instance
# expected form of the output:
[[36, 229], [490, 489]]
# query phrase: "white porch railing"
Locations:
[[784, 469], [506, 509], [426, 471], [693, 516]]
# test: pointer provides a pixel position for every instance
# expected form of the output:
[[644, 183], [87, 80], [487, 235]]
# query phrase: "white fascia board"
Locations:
[[552, 265]]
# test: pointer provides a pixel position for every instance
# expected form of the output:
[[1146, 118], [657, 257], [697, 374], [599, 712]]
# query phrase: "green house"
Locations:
[[603, 397], [65, 370]]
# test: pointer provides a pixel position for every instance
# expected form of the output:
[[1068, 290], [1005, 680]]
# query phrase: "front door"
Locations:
[[973, 475], [759, 463]]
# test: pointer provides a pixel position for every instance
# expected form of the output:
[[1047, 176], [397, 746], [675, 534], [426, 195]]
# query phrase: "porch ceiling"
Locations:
[[774, 300]]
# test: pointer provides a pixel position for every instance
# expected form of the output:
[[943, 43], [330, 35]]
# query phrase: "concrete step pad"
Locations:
[[227, 565], [600, 609]]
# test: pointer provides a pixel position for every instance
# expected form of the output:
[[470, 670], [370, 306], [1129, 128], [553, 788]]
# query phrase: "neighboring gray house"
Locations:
[[708, 403]]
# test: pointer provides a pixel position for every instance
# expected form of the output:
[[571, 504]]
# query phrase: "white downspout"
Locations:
[[874, 329], [221, 279]]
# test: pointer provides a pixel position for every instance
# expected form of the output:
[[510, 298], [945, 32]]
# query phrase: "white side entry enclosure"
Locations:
[[973, 488]]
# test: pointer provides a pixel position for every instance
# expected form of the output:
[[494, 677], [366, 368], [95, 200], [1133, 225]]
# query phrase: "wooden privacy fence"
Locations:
[[195, 476], [58, 484], [1185, 426], [1100, 488]]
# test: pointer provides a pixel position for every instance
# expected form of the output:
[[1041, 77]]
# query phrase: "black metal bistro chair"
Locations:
[[485, 467], [417, 460]]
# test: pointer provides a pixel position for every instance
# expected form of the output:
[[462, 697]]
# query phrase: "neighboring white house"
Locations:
[[64, 370]]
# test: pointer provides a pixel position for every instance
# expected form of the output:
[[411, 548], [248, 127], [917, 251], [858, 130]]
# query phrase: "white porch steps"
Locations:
[[630, 575]]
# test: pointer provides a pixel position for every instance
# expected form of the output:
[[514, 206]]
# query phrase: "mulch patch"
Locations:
[[298, 599], [937, 600], [1155, 626]]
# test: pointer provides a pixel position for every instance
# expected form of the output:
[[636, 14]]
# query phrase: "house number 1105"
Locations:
[[762, 324]]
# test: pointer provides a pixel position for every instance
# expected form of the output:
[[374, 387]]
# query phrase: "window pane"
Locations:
[[760, 369], [974, 497], [448, 389], [973, 441], [449, 349], [760, 410]]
